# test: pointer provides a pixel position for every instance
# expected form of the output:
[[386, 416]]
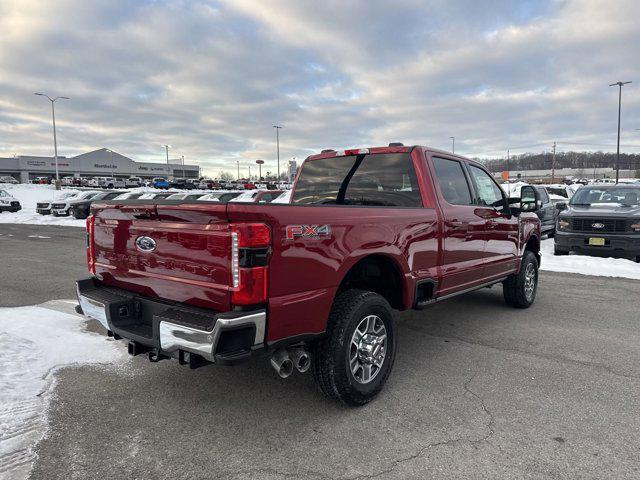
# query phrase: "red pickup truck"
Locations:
[[312, 283]]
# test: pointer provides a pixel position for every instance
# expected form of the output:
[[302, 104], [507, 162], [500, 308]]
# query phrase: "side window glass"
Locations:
[[452, 181], [489, 193], [544, 196]]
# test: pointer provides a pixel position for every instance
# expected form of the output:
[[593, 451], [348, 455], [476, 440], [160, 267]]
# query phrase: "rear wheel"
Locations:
[[354, 359], [520, 289]]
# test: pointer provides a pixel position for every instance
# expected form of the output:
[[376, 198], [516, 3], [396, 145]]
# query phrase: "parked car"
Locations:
[[313, 282], [601, 220], [112, 182], [82, 208], [44, 208], [155, 196], [160, 182], [42, 180], [210, 185], [96, 181], [182, 184], [9, 179], [61, 207], [249, 186], [67, 181], [8, 203], [185, 196], [129, 195], [546, 211], [133, 182], [222, 197], [257, 196]]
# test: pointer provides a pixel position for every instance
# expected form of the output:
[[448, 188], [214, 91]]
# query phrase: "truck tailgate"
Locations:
[[175, 251]]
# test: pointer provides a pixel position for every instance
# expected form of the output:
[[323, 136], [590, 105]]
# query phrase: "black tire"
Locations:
[[559, 251], [551, 233], [331, 354], [517, 289], [55, 214]]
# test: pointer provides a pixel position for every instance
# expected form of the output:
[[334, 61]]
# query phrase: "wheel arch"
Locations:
[[377, 272]]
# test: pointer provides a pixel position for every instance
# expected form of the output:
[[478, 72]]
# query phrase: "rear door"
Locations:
[[501, 228], [463, 227]]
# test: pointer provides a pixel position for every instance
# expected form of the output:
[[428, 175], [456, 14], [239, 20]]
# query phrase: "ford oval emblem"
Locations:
[[146, 244], [597, 225]]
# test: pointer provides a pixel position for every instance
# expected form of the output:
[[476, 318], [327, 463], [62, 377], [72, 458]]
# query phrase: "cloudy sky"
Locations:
[[211, 78]]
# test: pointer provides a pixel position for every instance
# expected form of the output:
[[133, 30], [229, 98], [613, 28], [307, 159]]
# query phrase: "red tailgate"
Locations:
[[177, 252]]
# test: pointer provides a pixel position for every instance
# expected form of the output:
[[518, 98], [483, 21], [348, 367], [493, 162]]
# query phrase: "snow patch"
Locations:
[[29, 195], [34, 343], [585, 265]]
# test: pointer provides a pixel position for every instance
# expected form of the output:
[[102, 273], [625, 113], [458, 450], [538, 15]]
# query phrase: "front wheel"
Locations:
[[520, 289], [354, 359]]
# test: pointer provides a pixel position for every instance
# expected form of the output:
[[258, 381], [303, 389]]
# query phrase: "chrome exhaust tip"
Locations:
[[282, 363], [301, 359]]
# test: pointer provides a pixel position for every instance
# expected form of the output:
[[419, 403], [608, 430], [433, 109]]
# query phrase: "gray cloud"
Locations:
[[211, 78]]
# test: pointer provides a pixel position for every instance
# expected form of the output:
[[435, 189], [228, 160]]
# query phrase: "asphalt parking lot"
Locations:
[[479, 390]]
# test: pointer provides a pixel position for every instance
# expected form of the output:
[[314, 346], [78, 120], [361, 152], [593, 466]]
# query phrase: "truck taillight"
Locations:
[[249, 250], [91, 258]]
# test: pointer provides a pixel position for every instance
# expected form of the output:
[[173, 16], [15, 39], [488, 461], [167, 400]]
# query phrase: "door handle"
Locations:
[[453, 223]]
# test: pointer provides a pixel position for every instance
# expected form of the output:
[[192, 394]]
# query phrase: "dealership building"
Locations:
[[98, 163]]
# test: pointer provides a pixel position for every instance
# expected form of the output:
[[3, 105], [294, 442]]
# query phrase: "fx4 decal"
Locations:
[[308, 231]]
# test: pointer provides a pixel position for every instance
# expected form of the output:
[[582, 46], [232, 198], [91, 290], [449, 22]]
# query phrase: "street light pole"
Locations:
[[278, 127], [619, 84], [55, 140], [453, 144], [238, 162]]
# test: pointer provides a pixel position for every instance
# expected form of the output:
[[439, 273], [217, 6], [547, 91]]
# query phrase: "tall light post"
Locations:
[[453, 144], [238, 163], [166, 149], [619, 84], [55, 140], [278, 127]]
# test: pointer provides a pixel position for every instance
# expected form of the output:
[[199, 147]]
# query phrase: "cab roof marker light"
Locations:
[[352, 151]]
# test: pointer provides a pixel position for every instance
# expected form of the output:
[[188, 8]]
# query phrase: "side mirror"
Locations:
[[529, 199], [560, 206]]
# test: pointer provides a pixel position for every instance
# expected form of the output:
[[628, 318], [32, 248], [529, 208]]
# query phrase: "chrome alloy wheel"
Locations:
[[368, 349], [529, 281]]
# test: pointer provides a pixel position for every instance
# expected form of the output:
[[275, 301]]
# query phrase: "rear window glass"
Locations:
[[381, 180]]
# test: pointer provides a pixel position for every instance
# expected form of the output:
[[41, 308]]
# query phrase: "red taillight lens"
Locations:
[[91, 260], [248, 280], [252, 235], [252, 288]]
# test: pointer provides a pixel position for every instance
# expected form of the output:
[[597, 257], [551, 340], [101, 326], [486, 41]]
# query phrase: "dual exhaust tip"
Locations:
[[284, 361]]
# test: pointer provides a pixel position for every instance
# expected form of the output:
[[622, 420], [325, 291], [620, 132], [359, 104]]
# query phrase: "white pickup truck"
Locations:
[[112, 182]]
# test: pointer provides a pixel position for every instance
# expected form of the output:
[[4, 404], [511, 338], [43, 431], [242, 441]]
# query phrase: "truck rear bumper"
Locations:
[[169, 329]]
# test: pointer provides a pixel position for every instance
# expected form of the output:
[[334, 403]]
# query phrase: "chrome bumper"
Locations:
[[173, 337]]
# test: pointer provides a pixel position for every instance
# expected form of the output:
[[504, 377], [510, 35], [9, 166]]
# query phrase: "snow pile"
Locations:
[[34, 342], [30, 194], [585, 265]]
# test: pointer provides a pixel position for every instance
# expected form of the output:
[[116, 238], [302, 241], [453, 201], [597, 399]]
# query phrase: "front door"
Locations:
[[463, 240], [501, 233]]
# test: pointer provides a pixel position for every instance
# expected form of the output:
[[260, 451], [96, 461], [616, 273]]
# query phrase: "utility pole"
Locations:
[[249, 172], [238, 162], [619, 84], [553, 164], [278, 127], [55, 140], [453, 144]]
